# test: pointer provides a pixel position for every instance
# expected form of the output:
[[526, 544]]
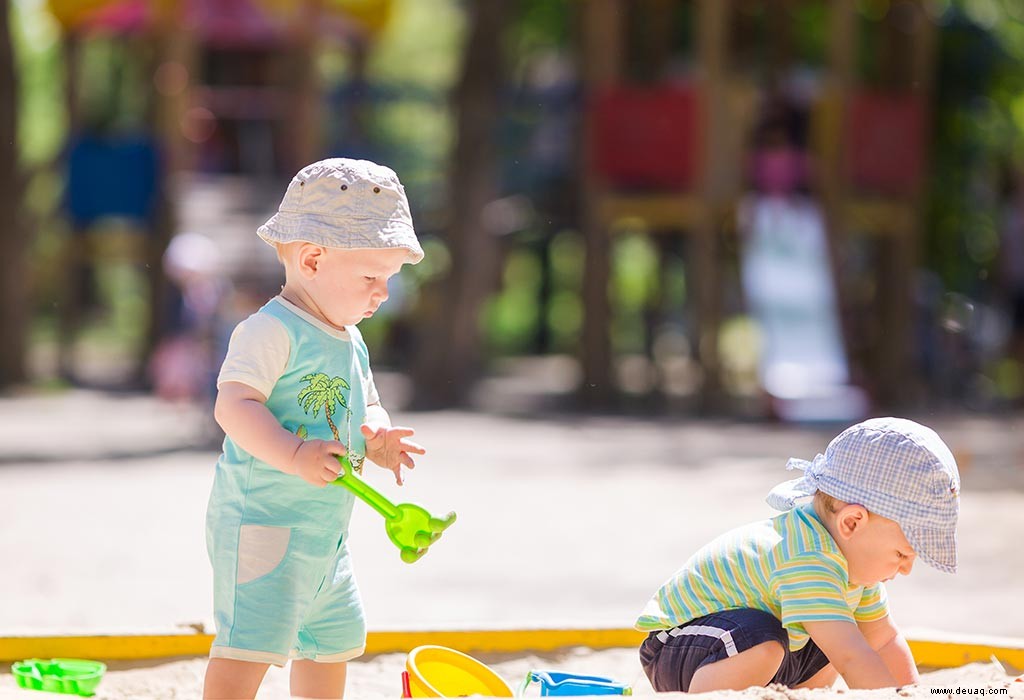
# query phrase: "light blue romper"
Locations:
[[283, 582]]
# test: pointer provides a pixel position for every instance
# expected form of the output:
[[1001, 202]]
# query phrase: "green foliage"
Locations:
[[740, 348], [539, 26], [511, 316], [1008, 378], [978, 139], [122, 290], [375, 332], [413, 64], [565, 310], [421, 46], [42, 119], [634, 281], [810, 31], [416, 136]]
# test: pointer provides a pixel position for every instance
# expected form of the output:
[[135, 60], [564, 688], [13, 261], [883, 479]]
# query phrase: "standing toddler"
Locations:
[[295, 392]]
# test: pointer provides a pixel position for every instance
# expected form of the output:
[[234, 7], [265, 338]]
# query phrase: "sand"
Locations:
[[555, 521], [554, 530], [379, 677]]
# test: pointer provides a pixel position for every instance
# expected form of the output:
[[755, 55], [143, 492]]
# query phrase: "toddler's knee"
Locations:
[[770, 654]]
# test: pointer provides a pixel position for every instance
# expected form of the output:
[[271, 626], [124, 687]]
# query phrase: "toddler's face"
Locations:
[[350, 285], [877, 551]]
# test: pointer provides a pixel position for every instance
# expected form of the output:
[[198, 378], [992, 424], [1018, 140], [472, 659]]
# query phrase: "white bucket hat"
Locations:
[[896, 468], [345, 203]]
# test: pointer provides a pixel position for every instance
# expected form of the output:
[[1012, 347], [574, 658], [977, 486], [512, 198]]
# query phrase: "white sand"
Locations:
[[379, 677], [107, 528]]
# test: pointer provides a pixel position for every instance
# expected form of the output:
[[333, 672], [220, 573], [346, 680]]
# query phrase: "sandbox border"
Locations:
[[931, 650]]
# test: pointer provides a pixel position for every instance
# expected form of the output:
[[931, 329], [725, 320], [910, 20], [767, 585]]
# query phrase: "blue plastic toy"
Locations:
[[554, 683]]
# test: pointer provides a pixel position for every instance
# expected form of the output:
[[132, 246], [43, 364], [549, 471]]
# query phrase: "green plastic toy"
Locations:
[[69, 676], [409, 526]]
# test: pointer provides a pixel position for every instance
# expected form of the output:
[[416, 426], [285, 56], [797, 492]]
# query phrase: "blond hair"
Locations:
[[825, 503]]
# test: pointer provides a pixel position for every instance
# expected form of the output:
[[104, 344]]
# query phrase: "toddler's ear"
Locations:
[[309, 259], [851, 518]]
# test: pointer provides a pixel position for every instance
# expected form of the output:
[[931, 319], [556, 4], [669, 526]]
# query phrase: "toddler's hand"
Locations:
[[315, 461], [389, 448]]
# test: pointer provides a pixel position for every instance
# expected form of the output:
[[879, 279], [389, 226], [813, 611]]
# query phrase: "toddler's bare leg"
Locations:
[[822, 679], [310, 679], [230, 678], [753, 667]]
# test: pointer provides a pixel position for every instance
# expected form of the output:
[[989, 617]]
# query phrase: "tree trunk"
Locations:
[[450, 346], [14, 234], [330, 422]]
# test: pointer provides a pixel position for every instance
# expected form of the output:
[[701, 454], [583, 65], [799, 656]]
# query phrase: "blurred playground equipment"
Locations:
[[666, 151], [643, 132], [198, 95], [787, 280]]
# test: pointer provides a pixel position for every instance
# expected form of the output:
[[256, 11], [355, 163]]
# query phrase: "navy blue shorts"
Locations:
[[671, 657]]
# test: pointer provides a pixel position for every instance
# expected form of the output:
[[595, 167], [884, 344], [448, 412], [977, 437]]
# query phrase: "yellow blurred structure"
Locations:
[[373, 15]]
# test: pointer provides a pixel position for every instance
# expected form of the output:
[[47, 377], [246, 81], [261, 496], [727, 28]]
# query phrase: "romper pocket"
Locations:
[[260, 549]]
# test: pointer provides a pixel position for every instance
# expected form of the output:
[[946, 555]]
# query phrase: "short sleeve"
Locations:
[[874, 604], [257, 353], [372, 397], [369, 387], [811, 588]]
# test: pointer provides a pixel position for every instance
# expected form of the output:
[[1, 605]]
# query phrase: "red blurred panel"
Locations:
[[885, 138], [647, 136]]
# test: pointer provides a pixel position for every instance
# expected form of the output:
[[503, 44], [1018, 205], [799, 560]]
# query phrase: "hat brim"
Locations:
[[347, 233], [937, 548]]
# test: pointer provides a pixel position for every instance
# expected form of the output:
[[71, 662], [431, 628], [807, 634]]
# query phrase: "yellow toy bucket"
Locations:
[[440, 672]]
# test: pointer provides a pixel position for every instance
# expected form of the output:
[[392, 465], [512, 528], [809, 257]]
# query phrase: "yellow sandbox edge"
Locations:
[[934, 651]]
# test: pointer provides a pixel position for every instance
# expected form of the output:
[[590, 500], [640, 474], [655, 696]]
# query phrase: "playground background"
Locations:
[[707, 208]]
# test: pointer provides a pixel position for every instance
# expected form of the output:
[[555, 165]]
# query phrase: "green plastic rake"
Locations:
[[409, 526]]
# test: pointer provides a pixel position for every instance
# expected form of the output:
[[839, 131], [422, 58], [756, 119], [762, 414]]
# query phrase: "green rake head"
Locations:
[[411, 528]]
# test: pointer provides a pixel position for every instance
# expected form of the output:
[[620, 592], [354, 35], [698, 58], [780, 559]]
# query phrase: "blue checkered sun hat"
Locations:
[[896, 468]]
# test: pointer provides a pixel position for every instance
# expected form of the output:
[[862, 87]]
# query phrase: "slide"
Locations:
[[787, 282]]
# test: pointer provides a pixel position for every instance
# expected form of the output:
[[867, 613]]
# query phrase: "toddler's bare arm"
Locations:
[[242, 412], [850, 654], [885, 638]]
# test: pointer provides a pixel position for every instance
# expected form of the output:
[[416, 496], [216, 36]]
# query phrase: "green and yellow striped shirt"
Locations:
[[788, 566]]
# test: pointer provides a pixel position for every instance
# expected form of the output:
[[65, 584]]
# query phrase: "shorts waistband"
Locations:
[[688, 630]]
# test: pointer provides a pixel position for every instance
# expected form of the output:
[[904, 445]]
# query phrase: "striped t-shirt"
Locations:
[[788, 566]]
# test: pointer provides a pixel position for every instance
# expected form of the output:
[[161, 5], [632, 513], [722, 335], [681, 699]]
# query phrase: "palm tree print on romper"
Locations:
[[324, 392]]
